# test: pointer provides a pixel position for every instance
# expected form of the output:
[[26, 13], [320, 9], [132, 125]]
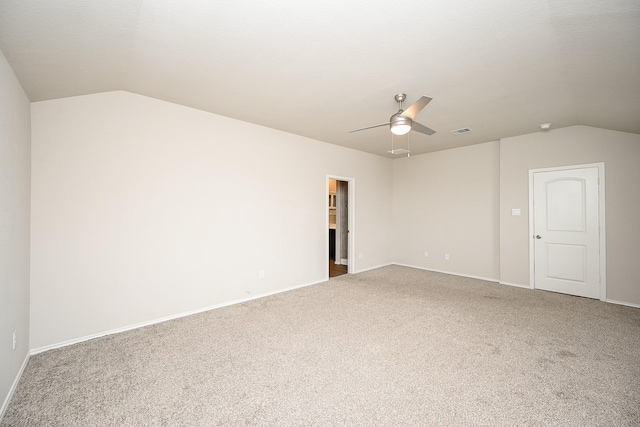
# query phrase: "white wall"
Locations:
[[15, 133], [459, 202], [447, 202], [620, 152], [144, 209]]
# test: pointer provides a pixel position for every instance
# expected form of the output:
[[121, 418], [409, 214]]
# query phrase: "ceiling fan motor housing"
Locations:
[[399, 120]]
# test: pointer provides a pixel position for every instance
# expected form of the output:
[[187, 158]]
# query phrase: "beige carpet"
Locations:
[[389, 347]]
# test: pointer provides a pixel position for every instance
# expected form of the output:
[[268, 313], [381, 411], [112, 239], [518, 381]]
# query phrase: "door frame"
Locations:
[[351, 238], [601, 218]]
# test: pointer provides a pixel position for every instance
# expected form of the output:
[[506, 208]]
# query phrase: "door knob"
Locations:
[[538, 236]]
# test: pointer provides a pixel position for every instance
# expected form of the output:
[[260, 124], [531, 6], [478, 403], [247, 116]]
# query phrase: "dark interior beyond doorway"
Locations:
[[336, 270], [338, 227]]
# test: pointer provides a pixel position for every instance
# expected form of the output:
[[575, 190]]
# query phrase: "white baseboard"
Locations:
[[517, 285], [628, 304], [373, 268], [239, 301], [488, 279], [344, 261], [12, 390], [165, 319]]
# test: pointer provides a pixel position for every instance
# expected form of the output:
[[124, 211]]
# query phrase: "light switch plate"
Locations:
[[515, 212]]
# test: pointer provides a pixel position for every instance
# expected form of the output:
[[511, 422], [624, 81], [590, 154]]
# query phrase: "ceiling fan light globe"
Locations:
[[400, 129], [399, 124]]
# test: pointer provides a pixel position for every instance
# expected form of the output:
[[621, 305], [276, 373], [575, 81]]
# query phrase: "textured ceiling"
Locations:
[[322, 68]]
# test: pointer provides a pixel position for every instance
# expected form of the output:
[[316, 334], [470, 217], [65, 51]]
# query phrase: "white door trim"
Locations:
[[351, 200], [601, 210]]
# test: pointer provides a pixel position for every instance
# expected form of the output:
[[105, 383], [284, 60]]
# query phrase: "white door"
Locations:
[[566, 231]]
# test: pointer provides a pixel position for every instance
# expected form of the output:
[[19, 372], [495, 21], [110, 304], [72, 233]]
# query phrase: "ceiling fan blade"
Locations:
[[415, 126], [416, 107], [370, 127]]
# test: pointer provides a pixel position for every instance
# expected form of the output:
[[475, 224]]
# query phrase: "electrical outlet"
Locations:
[[261, 274], [14, 339], [426, 254], [446, 257]]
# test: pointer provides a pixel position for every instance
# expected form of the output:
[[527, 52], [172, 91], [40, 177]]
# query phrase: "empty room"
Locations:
[[296, 213]]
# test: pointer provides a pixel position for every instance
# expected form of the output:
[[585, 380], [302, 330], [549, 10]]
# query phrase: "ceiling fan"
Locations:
[[402, 121]]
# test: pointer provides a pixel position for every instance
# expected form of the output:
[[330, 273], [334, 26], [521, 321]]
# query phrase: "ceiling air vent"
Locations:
[[461, 131], [398, 151]]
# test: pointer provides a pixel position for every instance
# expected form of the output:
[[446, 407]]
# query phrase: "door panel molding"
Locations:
[[601, 220]]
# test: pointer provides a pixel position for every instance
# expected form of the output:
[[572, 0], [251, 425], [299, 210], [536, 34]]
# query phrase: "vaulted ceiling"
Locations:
[[322, 68]]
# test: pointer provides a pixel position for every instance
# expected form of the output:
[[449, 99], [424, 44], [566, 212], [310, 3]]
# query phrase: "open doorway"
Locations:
[[339, 243]]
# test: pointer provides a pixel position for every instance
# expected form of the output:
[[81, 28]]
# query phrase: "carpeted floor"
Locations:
[[390, 347]]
